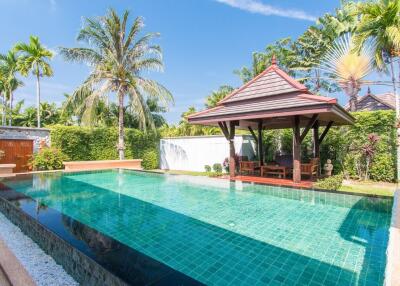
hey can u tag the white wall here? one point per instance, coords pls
(193, 153)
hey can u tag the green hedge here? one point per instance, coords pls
(342, 145)
(81, 143)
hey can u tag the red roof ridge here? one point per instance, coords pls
(204, 111)
(270, 68)
(274, 67)
(319, 98)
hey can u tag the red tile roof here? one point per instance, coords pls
(272, 93)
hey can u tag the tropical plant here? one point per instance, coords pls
(34, 57)
(48, 159)
(9, 69)
(380, 22)
(217, 95)
(118, 59)
(281, 50)
(348, 67)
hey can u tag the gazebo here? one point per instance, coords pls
(274, 100)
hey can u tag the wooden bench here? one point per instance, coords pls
(282, 171)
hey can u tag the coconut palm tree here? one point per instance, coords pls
(9, 69)
(34, 57)
(3, 96)
(348, 67)
(119, 57)
(380, 21)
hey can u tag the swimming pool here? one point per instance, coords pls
(221, 233)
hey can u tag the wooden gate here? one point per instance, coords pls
(17, 152)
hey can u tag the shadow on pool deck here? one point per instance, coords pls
(207, 253)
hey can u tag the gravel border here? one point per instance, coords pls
(40, 266)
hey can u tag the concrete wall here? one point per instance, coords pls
(26, 133)
(194, 152)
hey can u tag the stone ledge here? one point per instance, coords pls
(102, 165)
(14, 271)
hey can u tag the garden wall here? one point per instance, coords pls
(192, 153)
(37, 135)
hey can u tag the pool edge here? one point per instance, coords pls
(89, 271)
(392, 274)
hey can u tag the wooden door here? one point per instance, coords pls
(17, 152)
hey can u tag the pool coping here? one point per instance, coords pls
(392, 274)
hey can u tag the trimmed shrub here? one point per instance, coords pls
(217, 168)
(150, 160)
(48, 158)
(330, 183)
(207, 168)
(82, 143)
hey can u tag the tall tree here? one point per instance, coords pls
(217, 95)
(380, 21)
(281, 49)
(34, 57)
(8, 65)
(119, 57)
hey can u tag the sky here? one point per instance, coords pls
(203, 41)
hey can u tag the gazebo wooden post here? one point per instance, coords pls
(316, 140)
(232, 165)
(296, 150)
(230, 136)
(260, 145)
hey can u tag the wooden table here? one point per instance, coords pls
(274, 170)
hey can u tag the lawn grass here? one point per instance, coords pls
(372, 188)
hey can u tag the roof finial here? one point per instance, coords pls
(273, 60)
(369, 90)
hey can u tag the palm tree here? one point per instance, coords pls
(380, 22)
(119, 58)
(348, 67)
(8, 66)
(217, 95)
(3, 96)
(34, 57)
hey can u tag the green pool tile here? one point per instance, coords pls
(221, 234)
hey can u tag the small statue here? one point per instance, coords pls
(328, 167)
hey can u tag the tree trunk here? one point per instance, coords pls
(38, 98)
(3, 113)
(353, 102)
(10, 112)
(397, 118)
(121, 143)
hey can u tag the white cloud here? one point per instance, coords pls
(255, 6)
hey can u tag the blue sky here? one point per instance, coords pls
(203, 40)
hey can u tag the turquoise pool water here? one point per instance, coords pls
(222, 233)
